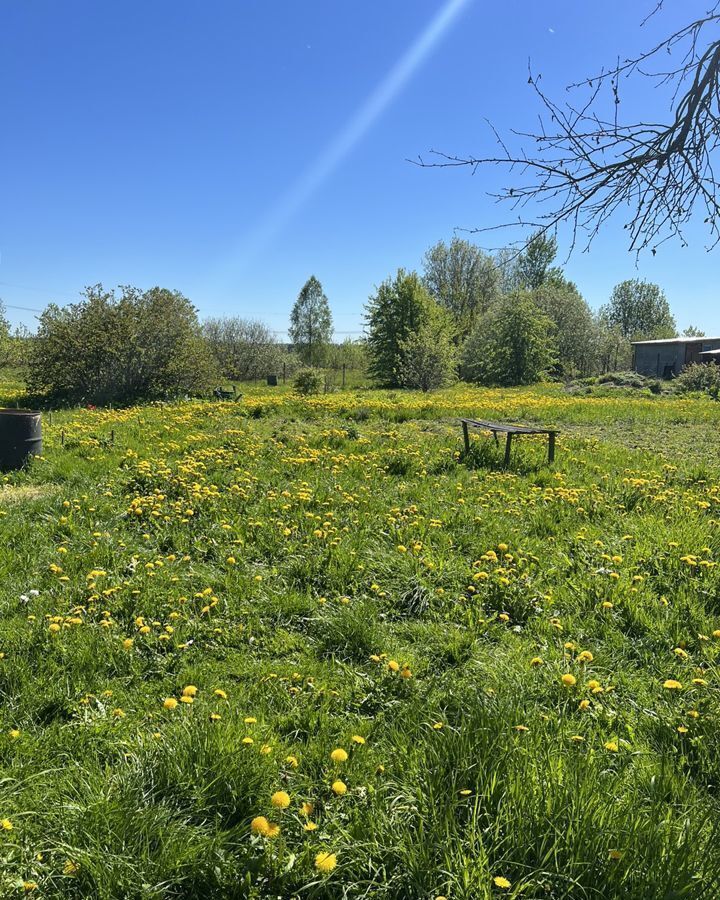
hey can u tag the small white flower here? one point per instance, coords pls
(34, 592)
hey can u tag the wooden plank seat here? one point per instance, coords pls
(508, 430)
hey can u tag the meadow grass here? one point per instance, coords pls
(521, 666)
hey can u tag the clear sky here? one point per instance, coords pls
(232, 148)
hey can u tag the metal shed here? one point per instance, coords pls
(667, 358)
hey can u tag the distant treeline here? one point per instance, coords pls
(502, 319)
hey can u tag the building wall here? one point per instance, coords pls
(652, 359)
(657, 360)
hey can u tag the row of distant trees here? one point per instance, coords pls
(511, 318)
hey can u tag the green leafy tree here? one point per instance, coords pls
(463, 279)
(244, 348)
(428, 355)
(6, 354)
(640, 310)
(393, 313)
(534, 265)
(613, 351)
(311, 324)
(351, 354)
(514, 343)
(142, 345)
(692, 331)
(17, 346)
(575, 331)
(529, 268)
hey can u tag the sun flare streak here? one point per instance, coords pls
(354, 131)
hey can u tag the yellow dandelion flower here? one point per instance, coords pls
(339, 788)
(672, 685)
(170, 703)
(259, 825)
(569, 680)
(339, 755)
(280, 799)
(325, 862)
(190, 691)
(358, 739)
(501, 882)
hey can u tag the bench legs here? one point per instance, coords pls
(466, 437)
(508, 443)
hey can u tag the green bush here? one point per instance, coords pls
(308, 381)
(698, 377)
(142, 345)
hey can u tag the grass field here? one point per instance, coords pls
(303, 648)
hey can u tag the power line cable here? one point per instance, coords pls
(23, 308)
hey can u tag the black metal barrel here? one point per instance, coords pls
(20, 437)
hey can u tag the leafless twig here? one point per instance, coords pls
(582, 166)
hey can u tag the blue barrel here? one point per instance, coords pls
(20, 437)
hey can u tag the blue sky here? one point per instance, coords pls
(232, 148)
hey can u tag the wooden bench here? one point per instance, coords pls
(509, 430)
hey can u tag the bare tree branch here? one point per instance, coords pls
(581, 167)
